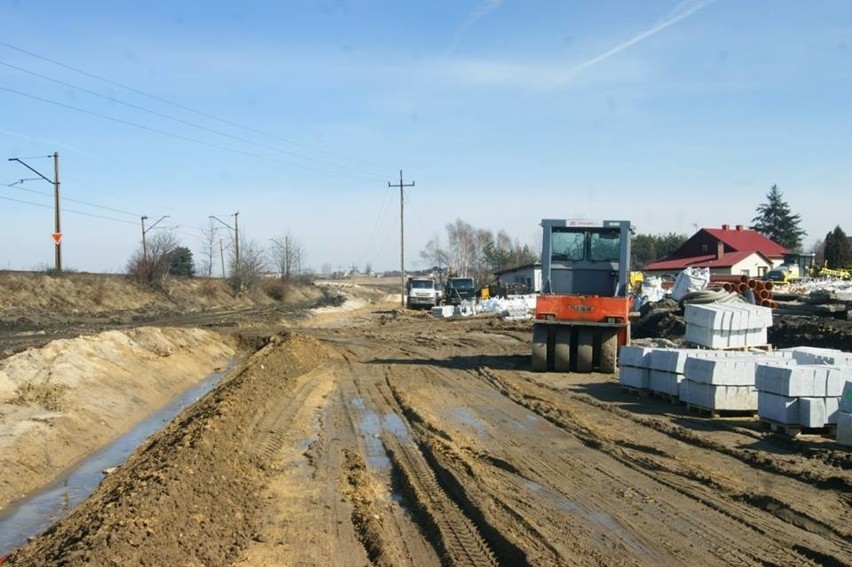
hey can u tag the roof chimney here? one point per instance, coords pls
(726, 226)
(739, 227)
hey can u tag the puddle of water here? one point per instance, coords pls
(393, 424)
(372, 427)
(37, 513)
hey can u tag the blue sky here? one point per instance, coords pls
(673, 115)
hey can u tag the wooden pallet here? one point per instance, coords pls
(720, 413)
(638, 392)
(671, 398)
(794, 429)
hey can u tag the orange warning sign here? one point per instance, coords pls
(57, 237)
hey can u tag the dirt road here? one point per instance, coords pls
(387, 438)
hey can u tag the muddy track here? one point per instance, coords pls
(405, 440)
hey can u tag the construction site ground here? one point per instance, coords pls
(363, 434)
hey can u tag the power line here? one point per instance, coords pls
(64, 210)
(182, 121)
(14, 186)
(177, 105)
(157, 131)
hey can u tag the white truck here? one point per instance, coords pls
(423, 293)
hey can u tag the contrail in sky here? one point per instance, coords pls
(480, 12)
(680, 12)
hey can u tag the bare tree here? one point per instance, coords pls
(246, 274)
(287, 255)
(434, 254)
(153, 267)
(210, 245)
(462, 246)
(477, 252)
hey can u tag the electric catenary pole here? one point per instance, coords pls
(401, 185)
(236, 229)
(57, 227)
(145, 245)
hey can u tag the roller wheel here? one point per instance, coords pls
(585, 349)
(562, 350)
(609, 351)
(539, 348)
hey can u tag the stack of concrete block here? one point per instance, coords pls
(718, 325)
(816, 355)
(634, 367)
(725, 383)
(660, 370)
(844, 416)
(807, 395)
(667, 368)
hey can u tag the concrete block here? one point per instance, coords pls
(666, 382)
(732, 371)
(638, 357)
(836, 379)
(720, 398)
(760, 317)
(781, 409)
(816, 355)
(812, 412)
(709, 316)
(668, 359)
(738, 338)
(442, 311)
(634, 377)
(795, 381)
(705, 336)
(846, 398)
(832, 408)
(844, 429)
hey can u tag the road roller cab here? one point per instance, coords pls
(582, 314)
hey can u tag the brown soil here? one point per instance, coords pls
(375, 436)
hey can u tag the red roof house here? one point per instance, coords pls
(725, 251)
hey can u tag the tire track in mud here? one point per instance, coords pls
(553, 473)
(452, 534)
(384, 526)
(548, 482)
(748, 510)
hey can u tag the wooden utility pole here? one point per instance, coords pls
(401, 235)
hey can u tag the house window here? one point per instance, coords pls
(704, 248)
(745, 273)
(761, 271)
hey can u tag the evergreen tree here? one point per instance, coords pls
(647, 248)
(836, 249)
(775, 221)
(181, 263)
